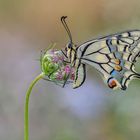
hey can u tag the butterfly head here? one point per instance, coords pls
(70, 46)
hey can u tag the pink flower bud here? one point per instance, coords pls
(72, 74)
(67, 69)
(59, 76)
(55, 59)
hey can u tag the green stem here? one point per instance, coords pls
(26, 112)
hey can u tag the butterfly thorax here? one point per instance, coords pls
(71, 54)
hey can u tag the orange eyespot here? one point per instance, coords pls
(117, 61)
(112, 83)
(118, 68)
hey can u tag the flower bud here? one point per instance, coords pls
(54, 66)
(51, 61)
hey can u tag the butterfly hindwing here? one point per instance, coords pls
(113, 56)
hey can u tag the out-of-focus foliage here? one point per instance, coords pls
(91, 112)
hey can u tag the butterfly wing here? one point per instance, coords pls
(80, 74)
(113, 56)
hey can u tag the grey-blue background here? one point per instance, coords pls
(91, 112)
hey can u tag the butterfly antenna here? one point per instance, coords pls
(63, 20)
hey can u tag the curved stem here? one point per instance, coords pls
(26, 107)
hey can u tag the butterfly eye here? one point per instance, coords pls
(69, 45)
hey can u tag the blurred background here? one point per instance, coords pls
(92, 112)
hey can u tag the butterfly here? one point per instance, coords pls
(114, 56)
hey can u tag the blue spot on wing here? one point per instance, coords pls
(118, 55)
(122, 63)
(117, 75)
(113, 48)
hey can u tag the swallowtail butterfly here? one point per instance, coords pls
(114, 56)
